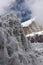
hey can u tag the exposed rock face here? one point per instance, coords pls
(14, 46)
(32, 27)
(35, 27)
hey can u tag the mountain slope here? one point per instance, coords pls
(34, 27)
(31, 26)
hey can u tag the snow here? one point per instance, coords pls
(15, 49)
(34, 33)
(27, 23)
(37, 46)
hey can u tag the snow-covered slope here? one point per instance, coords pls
(34, 33)
(27, 23)
(15, 49)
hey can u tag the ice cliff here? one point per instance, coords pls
(15, 49)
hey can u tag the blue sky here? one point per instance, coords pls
(20, 10)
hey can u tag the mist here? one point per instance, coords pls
(4, 4)
(36, 7)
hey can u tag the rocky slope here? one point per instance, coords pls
(15, 49)
(34, 27)
(31, 25)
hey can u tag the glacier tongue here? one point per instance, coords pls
(15, 49)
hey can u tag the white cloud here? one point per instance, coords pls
(36, 6)
(4, 4)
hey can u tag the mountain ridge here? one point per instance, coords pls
(31, 26)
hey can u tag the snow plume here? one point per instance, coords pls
(4, 4)
(36, 6)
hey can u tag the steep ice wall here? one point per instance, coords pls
(15, 49)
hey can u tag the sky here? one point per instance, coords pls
(4, 4)
(36, 7)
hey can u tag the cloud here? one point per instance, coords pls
(4, 4)
(36, 6)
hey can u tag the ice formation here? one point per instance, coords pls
(15, 49)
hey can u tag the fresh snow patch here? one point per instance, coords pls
(27, 23)
(34, 33)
